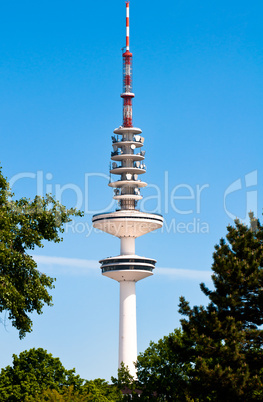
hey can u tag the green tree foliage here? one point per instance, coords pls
(126, 384)
(33, 372)
(37, 376)
(226, 337)
(99, 390)
(163, 376)
(67, 394)
(219, 354)
(92, 391)
(24, 224)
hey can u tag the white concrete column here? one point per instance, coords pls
(128, 326)
(127, 245)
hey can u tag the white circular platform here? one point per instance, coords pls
(124, 130)
(127, 183)
(127, 223)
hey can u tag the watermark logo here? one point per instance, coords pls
(250, 194)
(181, 204)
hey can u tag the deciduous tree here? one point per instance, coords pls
(37, 376)
(92, 391)
(162, 375)
(127, 385)
(24, 225)
(33, 372)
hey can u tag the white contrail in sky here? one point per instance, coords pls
(77, 266)
(67, 266)
(186, 274)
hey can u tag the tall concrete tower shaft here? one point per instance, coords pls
(127, 222)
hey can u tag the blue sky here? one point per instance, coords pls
(198, 86)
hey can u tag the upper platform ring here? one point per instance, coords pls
(124, 130)
(127, 95)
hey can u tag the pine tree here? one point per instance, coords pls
(226, 338)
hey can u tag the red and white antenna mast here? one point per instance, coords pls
(127, 25)
(127, 94)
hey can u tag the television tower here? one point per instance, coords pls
(127, 222)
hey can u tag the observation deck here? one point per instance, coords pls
(127, 223)
(127, 267)
(136, 197)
